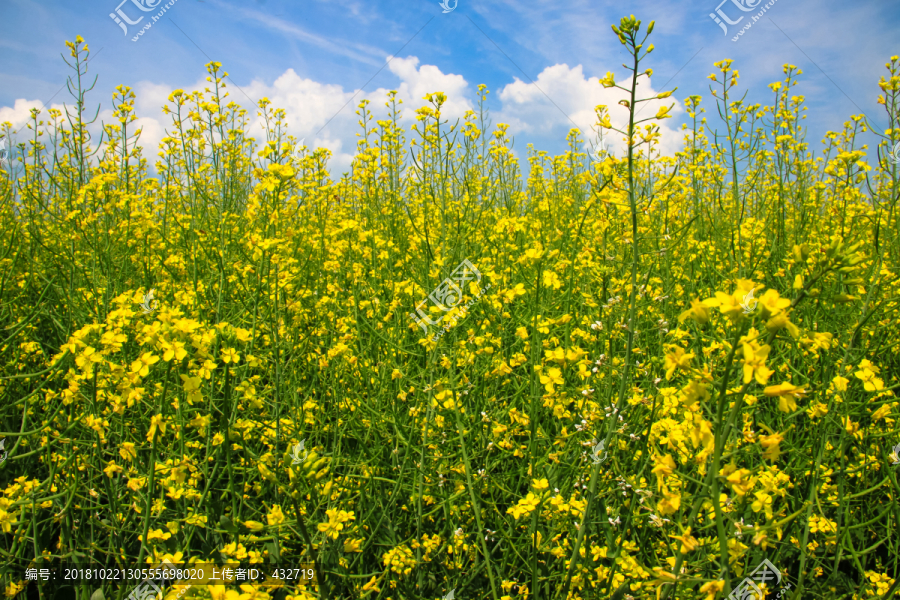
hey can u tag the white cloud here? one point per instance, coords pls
(20, 113)
(571, 103)
(324, 115)
(416, 83)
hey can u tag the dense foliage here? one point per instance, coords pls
(682, 366)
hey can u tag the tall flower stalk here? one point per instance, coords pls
(627, 31)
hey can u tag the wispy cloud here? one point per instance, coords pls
(341, 47)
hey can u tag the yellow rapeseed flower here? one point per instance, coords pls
(553, 377)
(142, 365)
(787, 395)
(698, 312)
(254, 525)
(755, 363)
(677, 358)
(688, 542)
(127, 451)
(524, 507)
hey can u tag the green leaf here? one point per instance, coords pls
(226, 524)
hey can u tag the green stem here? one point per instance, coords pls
(148, 503)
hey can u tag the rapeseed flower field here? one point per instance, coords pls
(632, 376)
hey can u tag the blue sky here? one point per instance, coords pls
(540, 60)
